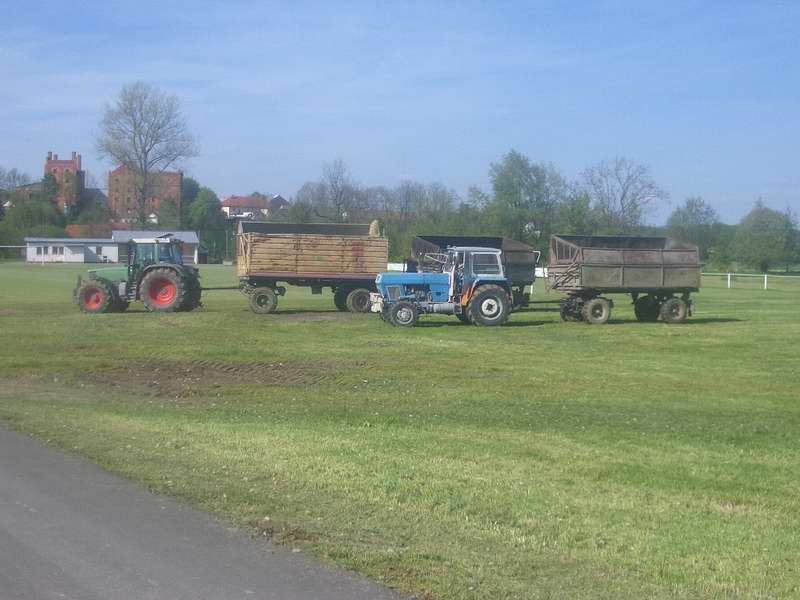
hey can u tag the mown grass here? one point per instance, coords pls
(538, 460)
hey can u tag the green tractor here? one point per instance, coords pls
(155, 274)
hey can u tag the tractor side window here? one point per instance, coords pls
(145, 255)
(485, 264)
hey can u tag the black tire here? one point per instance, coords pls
(94, 297)
(674, 311)
(192, 298)
(358, 300)
(403, 314)
(647, 309)
(340, 299)
(489, 306)
(162, 290)
(463, 317)
(596, 311)
(263, 300)
(567, 315)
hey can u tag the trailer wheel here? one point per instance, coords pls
(596, 311)
(489, 306)
(568, 314)
(358, 300)
(463, 317)
(263, 300)
(674, 310)
(94, 297)
(403, 314)
(340, 299)
(646, 309)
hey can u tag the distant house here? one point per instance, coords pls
(191, 243)
(71, 250)
(253, 208)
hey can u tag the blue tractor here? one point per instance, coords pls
(470, 283)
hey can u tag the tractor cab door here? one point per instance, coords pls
(141, 257)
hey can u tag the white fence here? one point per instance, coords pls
(766, 280)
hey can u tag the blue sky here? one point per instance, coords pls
(706, 93)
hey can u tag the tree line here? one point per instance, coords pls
(144, 129)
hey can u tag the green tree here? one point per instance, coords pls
(168, 214)
(189, 190)
(207, 219)
(576, 216)
(524, 197)
(695, 222)
(761, 238)
(35, 217)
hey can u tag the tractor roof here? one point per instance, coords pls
(475, 249)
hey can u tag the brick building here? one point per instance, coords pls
(122, 193)
(69, 176)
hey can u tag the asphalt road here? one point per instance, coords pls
(71, 531)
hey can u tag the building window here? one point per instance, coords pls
(61, 250)
(98, 250)
(38, 250)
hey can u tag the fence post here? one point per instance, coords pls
(765, 281)
(729, 281)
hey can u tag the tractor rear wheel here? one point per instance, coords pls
(403, 314)
(340, 299)
(191, 299)
(358, 300)
(646, 309)
(596, 311)
(674, 310)
(489, 306)
(162, 290)
(263, 300)
(94, 297)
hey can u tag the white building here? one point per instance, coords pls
(73, 250)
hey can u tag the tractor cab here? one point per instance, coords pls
(145, 252)
(468, 282)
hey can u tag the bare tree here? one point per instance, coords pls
(144, 130)
(11, 179)
(621, 191)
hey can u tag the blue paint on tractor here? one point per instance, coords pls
(470, 284)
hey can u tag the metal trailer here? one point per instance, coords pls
(344, 257)
(519, 260)
(659, 273)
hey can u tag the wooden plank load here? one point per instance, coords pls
(311, 255)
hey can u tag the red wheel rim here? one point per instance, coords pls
(162, 292)
(92, 298)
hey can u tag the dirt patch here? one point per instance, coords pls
(179, 379)
(8, 311)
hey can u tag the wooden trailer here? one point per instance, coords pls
(343, 257)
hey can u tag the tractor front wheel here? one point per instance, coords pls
(263, 301)
(403, 314)
(489, 306)
(162, 290)
(94, 297)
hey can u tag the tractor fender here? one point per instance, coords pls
(468, 294)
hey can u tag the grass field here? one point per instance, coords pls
(538, 460)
